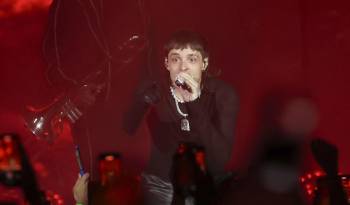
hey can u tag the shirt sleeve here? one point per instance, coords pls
(216, 133)
(147, 93)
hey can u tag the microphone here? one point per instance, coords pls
(181, 83)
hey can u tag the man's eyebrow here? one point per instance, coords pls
(193, 55)
(174, 54)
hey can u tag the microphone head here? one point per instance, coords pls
(180, 82)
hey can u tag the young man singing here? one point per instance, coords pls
(191, 106)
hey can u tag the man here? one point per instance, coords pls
(190, 106)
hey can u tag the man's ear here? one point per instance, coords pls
(205, 63)
(166, 63)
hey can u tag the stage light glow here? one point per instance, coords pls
(15, 7)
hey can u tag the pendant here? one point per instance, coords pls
(185, 125)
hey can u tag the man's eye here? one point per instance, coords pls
(193, 59)
(174, 60)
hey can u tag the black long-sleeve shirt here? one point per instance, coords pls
(211, 118)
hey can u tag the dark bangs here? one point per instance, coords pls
(187, 39)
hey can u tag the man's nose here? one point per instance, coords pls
(184, 66)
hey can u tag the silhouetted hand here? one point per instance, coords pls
(326, 156)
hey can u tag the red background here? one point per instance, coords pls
(260, 46)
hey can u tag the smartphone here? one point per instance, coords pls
(10, 160)
(80, 163)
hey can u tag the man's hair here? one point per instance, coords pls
(187, 39)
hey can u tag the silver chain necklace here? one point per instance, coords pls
(185, 124)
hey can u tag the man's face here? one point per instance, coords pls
(185, 60)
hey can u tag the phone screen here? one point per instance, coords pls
(10, 160)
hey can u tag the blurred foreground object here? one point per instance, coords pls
(16, 170)
(330, 189)
(315, 186)
(192, 182)
(10, 162)
(115, 185)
